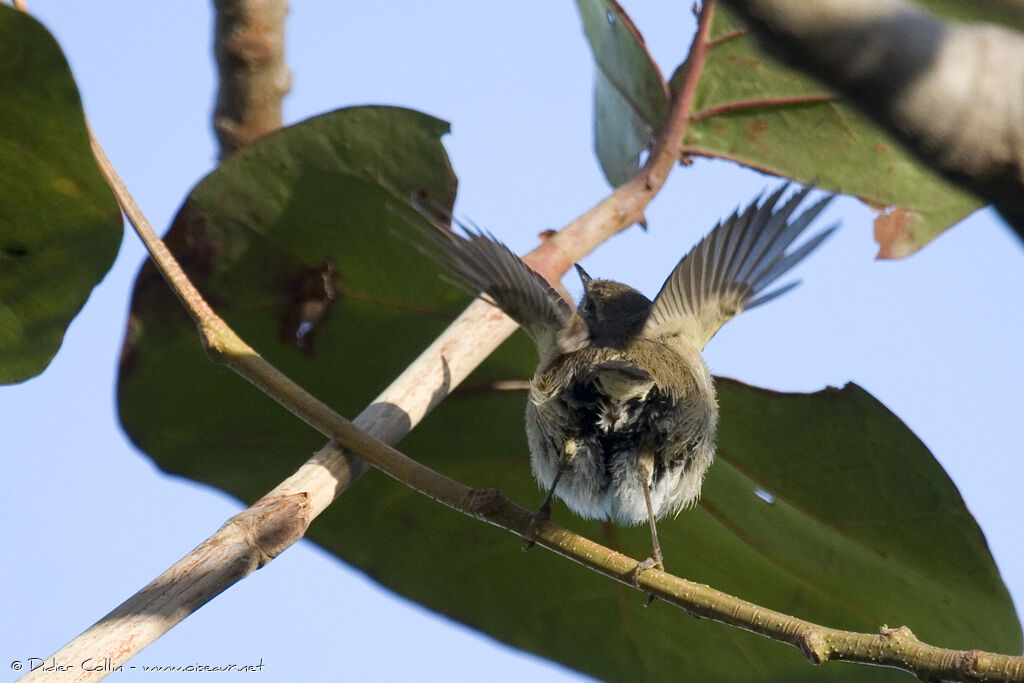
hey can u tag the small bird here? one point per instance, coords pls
(622, 411)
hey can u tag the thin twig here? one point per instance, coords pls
(256, 535)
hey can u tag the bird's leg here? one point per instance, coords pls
(544, 511)
(655, 561)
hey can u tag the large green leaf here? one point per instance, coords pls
(763, 124)
(317, 202)
(630, 94)
(863, 529)
(749, 109)
(851, 537)
(60, 226)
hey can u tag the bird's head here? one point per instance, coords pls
(613, 313)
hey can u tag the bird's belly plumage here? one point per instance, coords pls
(607, 428)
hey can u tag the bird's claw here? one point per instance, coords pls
(653, 562)
(542, 515)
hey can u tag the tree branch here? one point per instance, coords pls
(952, 93)
(249, 47)
(253, 537)
(256, 535)
(285, 513)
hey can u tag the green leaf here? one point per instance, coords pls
(325, 201)
(60, 226)
(864, 529)
(749, 109)
(842, 468)
(630, 95)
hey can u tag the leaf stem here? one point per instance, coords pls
(759, 103)
(726, 37)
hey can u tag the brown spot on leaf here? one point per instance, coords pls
(754, 134)
(880, 148)
(310, 293)
(894, 232)
(739, 61)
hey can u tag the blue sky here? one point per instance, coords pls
(88, 520)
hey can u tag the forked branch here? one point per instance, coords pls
(253, 537)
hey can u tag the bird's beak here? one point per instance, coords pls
(584, 277)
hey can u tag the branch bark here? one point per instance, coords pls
(249, 48)
(952, 93)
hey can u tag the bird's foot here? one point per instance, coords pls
(653, 562)
(543, 514)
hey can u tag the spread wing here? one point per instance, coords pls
(729, 270)
(483, 264)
